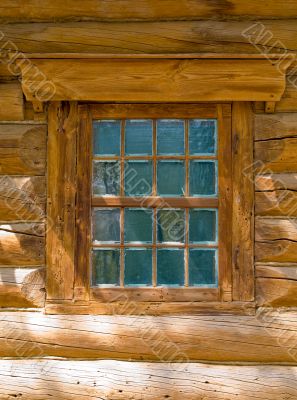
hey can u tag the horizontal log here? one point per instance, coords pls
(276, 155)
(276, 203)
(276, 285)
(11, 102)
(53, 10)
(120, 380)
(22, 149)
(271, 182)
(288, 103)
(152, 37)
(275, 126)
(22, 198)
(22, 244)
(22, 287)
(276, 229)
(276, 251)
(219, 338)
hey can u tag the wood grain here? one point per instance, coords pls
(60, 246)
(243, 202)
(276, 203)
(22, 244)
(22, 149)
(220, 338)
(117, 380)
(22, 287)
(155, 80)
(275, 126)
(107, 10)
(22, 198)
(11, 102)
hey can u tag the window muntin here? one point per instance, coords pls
(164, 159)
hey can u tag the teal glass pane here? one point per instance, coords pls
(138, 225)
(138, 178)
(170, 267)
(138, 137)
(202, 267)
(106, 267)
(203, 178)
(202, 225)
(106, 178)
(202, 136)
(138, 267)
(107, 138)
(106, 225)
(170, 178)
(170, 136)
(171, 226)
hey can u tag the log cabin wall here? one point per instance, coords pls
(211, 341)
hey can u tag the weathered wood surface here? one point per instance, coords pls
(276, 285)
(243, 202)
(61, 199)
(271, 182)
(119, 380)
(22, 198)
(22, 149)
(22, 287)
(272, 126)
(53, 10)
(270, 336)
(11, 102)
(154, 80)
(152, 37)
(22, 244)
(276, 203)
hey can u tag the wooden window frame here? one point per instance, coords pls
(68, 280)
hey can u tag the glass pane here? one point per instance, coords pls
(202, 178)
(138, 225)
(170, 267)
(202, 226)
(202, 267)
(138, 178)
(138, 137)
(106, 267)
(170, 136)
(106, 178)
(106, 225)
(171, 225)
(170, 178)
(138, 267)
(202, 136)
(107, 138)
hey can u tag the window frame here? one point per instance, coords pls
(68, 210)
(85, 202)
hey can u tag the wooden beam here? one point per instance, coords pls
(152, 79)
(22, 198)
(22, 244)
(22, 149)
(22, 287)
(33, 379)
(106, 10)
(11, 102)
(220, 338)
(243, 202)
(61, 206)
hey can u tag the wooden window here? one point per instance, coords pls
(155, 217)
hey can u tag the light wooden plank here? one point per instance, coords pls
(11, 102)
(22, 198)
(107, 10)
(276, 203)
(281, 250)
(275, 126)
(117, 380)
(243, 202)
(22, 244)
(220, 338)
(22, 149)
(270, 182)
(155, 80)
(60, 246)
